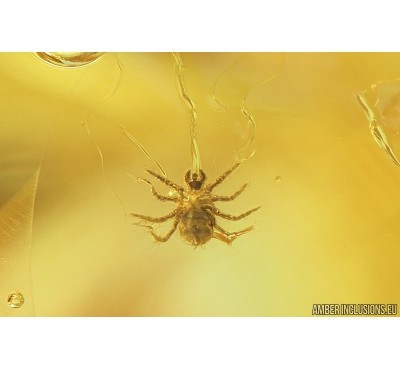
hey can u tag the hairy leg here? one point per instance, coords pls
(162, 198)
(156, 219)
(159, 238)
(228, 237)
(222, 177)
(217, 212)
(222, 198)
(163, 239)
(167, 182)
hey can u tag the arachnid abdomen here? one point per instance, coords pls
(196, 226)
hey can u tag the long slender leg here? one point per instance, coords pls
(217, 212)
(222, 198)
(228, 237)
(167, 182)
(163, 239)
(156, 219)
(222, 177)
(162, 198)
(159, 238)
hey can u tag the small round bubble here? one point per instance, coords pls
(15, 300)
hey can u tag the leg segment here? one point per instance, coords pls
(222, 177)
(163, 239)
(217, 212)
(156, 219)
(167, 182)
(159, 238)
(216, 198)
(227, 237)
(160, 197)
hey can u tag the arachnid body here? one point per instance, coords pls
(195, 213)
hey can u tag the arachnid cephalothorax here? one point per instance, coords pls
(195, 213)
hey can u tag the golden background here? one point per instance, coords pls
(327, 231)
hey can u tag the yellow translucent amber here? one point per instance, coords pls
(327, 231)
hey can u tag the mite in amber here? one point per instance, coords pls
(196, 213)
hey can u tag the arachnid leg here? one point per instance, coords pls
(159, 238)
(222, 177)
(223, 198)
(217, 212)
(228, 237)
(156, 219)
(162, 198)
(163, 239)
(167, 182)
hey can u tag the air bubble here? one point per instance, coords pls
(15, 300)
(278, 179)
(69, 60)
